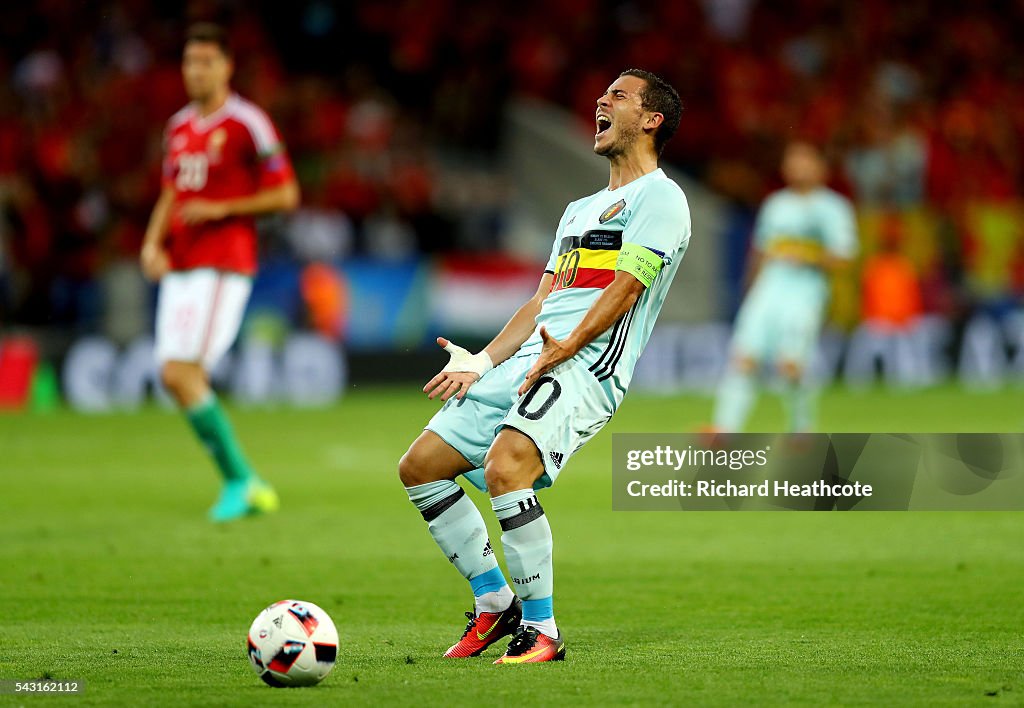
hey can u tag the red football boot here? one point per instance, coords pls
(530, 646)
(485, 629)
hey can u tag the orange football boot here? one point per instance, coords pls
(485, 629)
(530, 646)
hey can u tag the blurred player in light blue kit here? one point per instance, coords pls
(803, 233)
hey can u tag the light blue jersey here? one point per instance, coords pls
(650, 212)
(637, 227)
(781, 316)
(792, 225)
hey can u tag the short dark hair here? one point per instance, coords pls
(659, 96)
(209, 32)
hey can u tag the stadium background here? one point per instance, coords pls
(436, 144)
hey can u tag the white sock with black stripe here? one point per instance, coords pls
(526, 538)
(459, 530)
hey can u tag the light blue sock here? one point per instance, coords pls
(734, 400)
(457, 527)
(526, 538)
(800, 399)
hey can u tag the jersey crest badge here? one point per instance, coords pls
(612, 211)
(215, 144)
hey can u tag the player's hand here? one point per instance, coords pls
(553, 353)
(154, 261)
(198, 211)
(462, 371)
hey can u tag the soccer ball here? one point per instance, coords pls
(292, 643)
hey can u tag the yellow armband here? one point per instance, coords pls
(640, 262)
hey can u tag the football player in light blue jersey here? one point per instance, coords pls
(516, 412)
(803, 233)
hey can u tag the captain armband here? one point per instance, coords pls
(640, 262)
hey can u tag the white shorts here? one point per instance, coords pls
(198, 314)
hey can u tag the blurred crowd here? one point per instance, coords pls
(392, 114)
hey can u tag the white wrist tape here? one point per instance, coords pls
(461, 360)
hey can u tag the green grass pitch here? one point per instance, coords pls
(110, 573)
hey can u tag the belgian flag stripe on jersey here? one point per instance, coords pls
(590, 278)
(582, 267)
(795, 247)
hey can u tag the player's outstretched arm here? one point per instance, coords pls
(613, 303)
(282, 197)
(464, 369)
(153, 258)
(521, 326)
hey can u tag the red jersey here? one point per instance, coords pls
(233, 152)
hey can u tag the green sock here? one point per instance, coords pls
(212, 427)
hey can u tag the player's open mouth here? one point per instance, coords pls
(603, 124)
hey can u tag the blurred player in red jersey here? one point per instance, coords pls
(223, 166)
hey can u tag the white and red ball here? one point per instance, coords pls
(292, 643)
